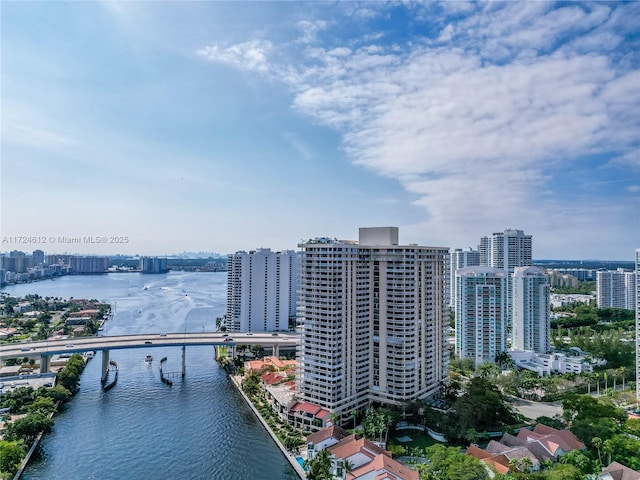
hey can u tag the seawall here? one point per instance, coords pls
(292, 460)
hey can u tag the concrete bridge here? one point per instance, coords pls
(150, 340)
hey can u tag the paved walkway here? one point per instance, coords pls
(533, 410)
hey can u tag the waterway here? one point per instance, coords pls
(199, 428)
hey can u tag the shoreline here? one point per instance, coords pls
(288, 455)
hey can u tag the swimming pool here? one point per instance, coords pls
(300, 460)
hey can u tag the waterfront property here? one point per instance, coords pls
(373, 321)
(356, 456)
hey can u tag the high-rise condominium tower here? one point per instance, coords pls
(481, 313)
(506, 250)
(531, 310)
(373, 321)
(460, 259)
(261, 290)
(616, 289)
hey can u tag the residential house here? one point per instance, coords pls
(365, 459)
(617, 471)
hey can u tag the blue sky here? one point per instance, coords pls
(221, 126)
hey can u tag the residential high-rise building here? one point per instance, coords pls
(373, 322)
(506, 250)
(460, 259)
(616, 289)
(531, 310)
(88, 264)
(637, 272)
(38, 257)
(481, 313)
(153, 265)
(261, 291)
(20, 259)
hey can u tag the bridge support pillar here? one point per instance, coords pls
(105, 365)
(184, 360)
(276, 350)
(44, 363)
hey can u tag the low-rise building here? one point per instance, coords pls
(617, 471)
(366, 460)
(546, 364)
(530, 448)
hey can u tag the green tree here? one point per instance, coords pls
(624, 449)
(11, 454)
(42, 404)
(481, 406)
(57, 393)
(448, 463)
(578, 459)
(28, 427)
(320, 466)
(565, 472)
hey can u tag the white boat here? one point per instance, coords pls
(148, 358)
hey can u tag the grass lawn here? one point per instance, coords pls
(418, 439)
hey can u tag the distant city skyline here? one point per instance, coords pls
(227, 126)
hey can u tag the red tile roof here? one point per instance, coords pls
(271, 377)
(499, 462)
(309, 408)
(386, 468)
(351, 445)
(620, 472)
(569, 439)
(330, 432)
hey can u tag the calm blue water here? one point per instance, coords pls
(199, 428)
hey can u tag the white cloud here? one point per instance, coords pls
(251, 55)
(310, 29)
(473, 128)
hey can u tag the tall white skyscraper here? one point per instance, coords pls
(481, 313)
(373, 321)
(261, 290)
(460, 259)
(531, 310)
(616, 289)
(506, 250)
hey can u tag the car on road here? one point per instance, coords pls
(69, 345)
(25, 349)
(228, 339)
(163, 334)
(148, 342)
(274, 334)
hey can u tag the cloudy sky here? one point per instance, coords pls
(221, 126)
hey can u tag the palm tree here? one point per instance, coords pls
(597, 444)
(347, 467)
(354, 414)
(320, 466)
(502, 358)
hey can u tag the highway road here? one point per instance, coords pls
(150, 340)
